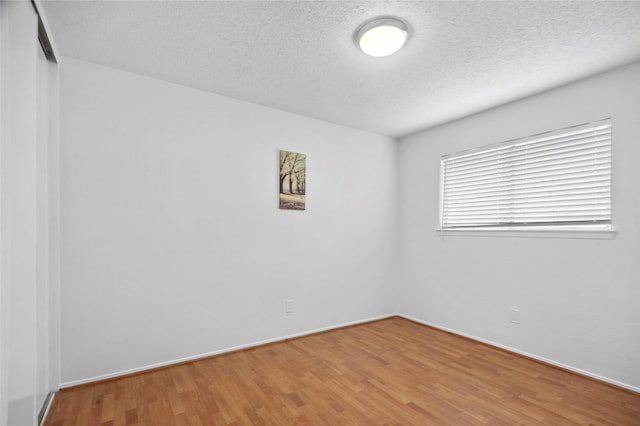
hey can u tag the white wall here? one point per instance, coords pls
(172, 241)
(28, 155)
(579, 298)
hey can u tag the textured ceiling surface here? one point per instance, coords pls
(299, 56)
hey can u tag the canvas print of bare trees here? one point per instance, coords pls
(293, 168)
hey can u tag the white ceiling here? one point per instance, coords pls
(299, 56)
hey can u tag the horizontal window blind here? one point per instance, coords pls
(554, 179)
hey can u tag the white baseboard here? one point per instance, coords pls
(526, 354)
(218, 352)
(334, 327)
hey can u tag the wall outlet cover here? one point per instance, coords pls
(288, 306)
(514, 316)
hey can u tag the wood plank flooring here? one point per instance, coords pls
(388, 372)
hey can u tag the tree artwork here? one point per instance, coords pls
(293, 183)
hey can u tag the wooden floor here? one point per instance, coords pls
(387, 372)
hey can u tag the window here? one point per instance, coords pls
(555, 180)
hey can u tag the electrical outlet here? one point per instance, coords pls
(288, 306)
(514, 316)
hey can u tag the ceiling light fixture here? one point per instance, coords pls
(382, 36)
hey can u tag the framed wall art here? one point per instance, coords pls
(293, 182)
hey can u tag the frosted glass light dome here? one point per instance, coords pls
(382, 36)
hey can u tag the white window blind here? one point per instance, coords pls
(560, 178)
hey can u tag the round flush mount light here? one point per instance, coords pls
(382, 36)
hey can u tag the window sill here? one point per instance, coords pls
(593, 234)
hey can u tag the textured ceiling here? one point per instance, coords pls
(299, 56)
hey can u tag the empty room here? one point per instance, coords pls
(319, 212)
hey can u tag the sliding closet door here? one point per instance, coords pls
(27, 343)
(18, 192)
(47, 229)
